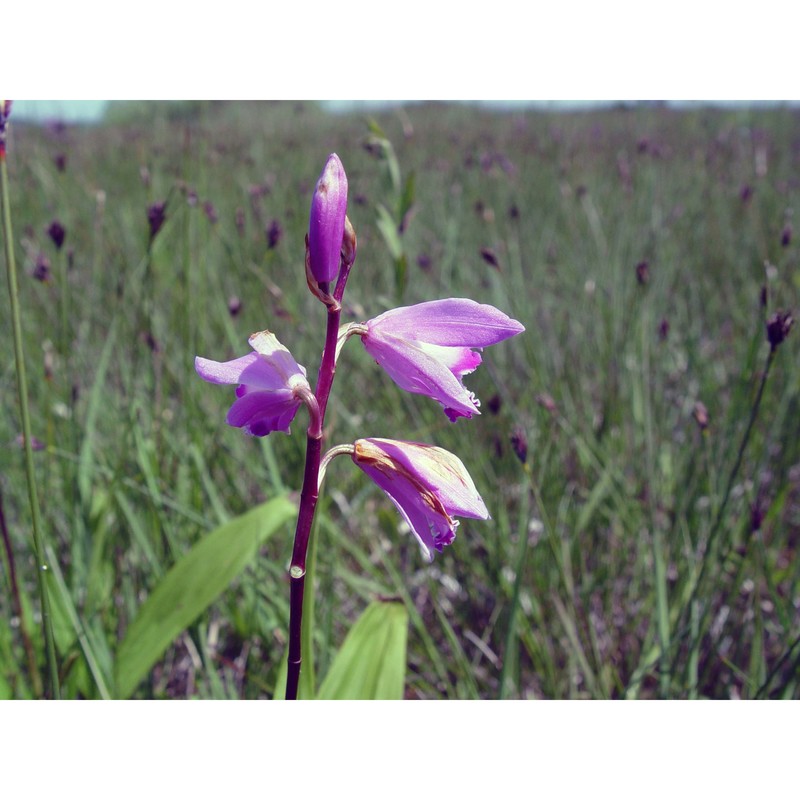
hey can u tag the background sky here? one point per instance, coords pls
(92, 110)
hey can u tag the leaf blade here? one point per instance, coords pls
(192, 585)
(371, 663)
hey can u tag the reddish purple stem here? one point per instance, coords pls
(310, 491)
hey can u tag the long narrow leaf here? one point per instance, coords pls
(192, 585)
(372, 662)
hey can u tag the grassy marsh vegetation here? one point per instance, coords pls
(648, 545)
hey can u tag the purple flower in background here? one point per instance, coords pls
(57, 233)
(272, 385)
(426, 348)
(156, 216)
(428, 485)
(326, 221)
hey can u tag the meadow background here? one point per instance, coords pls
(639, 447)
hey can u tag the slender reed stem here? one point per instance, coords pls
(22, 388)
(30, 653)
(715, 528)
(691, 602)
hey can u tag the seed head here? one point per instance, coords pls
(42, 269)
(274, 234)
(778, 327)
(5, 110)
(156, 216)
(490, 257)
(57, 233)
(210, 212)
(519, 443)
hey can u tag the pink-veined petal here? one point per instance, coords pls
(442, 471)
(459, 360)
(432, 530)
(251, 370)
(271, 367)
(261, 413)
(427, 485)
(452, 322)
(416, 371)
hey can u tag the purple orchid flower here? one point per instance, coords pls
(428, 485)
(326, 221)
(426, 348)
(272, 385)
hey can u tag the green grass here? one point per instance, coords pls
(583, 583)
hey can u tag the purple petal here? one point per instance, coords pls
(415, 370)
(251, 369)
(261, 413)
(432, 528)
(326, 221)
(459, 360)
(278, 357)
(451, 322)
(271, 367)
(439, 470)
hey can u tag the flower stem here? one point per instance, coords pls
(308, 499)
(22, 388)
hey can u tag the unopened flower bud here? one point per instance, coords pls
(327, 221)
(349, 242)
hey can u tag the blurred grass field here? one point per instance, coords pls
(646, 547)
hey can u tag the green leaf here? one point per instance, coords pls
(372, 662)
(406, 198)
(388, 228)
(68, 625)
(192, 585)
(97, 396)
(375, 128)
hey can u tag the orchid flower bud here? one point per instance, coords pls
(327, 221)
(349, 243)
